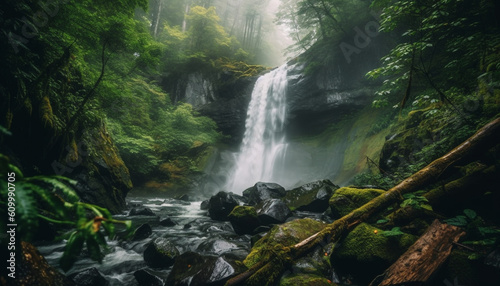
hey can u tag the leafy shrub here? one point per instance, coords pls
(51, 198)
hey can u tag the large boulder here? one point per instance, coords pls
(365, 252)
(346, 199)
(272, 211)
(191, 268)
(220, 205)
(160, 253)
(263, 191)
(283, 235)
(89, 277)
(244, 219)
(311, 197)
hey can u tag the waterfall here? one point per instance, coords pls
(263, 148)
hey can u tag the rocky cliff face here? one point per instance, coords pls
(221, 96)
(103, 178)
(323, 89)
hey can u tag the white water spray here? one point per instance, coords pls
(263, 148)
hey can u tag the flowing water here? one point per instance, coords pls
(204, 236)
(195, 231)
(264, 146)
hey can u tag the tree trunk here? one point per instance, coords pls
(423, 258)
(265, 272)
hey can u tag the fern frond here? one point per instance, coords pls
(66, 192)
(54, 204)
(26, 211)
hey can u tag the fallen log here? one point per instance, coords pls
(423, 258)
(266, 272)
(461, 188)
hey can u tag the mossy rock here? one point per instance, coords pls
(33, 269)
(365, 252)
(346, 199)
(459, 267)
(283, 235)
(160, 253)
(310, 197)
(305, 280)
(316, 262)
(244, 219)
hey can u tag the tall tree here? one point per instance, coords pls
(438, 39)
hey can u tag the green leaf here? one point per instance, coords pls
(380, 221)
(110, 229)
(470, 213)
(485, 230)
(72, 250)
(19, 174)
(26, 211)
(395, 231)
(5, 131)
(94, 249)
(457, 221)
(484, 242)
(426, 207)
(66, 192)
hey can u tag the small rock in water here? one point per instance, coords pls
(160, 253)
(204, 205)
(141, 211)
(167, 222)
(89, 277)
(142, 232)
(147, 279)
(184, 197)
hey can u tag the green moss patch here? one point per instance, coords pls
(365, 252)
(305, 280)
(283, 235)
(346, 199)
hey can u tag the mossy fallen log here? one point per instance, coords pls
(267, 272)
(461, 188)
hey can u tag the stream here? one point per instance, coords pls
(195, 231)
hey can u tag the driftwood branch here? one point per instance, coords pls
(485, 138)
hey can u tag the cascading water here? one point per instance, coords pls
(264, 146)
